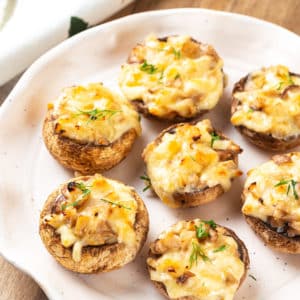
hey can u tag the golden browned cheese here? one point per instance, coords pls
(208, 267)
(187, 160)
(173, 75)
(93, 114)
(272, 194)
(269, 104)
(94, 212)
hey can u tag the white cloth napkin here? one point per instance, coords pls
(28, 28)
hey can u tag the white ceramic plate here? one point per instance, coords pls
(29, 173)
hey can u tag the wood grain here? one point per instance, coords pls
(15, 285)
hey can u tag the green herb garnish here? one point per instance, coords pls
(288, 82)
(161, 76)
(147, 181)
(250, 110)
(279, 86)
(148, 68)
(74, 204)
(221, 248)
(196, 253)
(214, 137)
(176, 53)
(211, 223)
(115, 203)
(291, 185)
(85, 191)
(83, 188)
(96, 113)
(77, 25)
(251, 276)
(201, 232)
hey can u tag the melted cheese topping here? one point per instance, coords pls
(173, 76)
(188, 160)
(93, 114)
(271, 196)
(94, 211)
(213, 275)
(268, 104)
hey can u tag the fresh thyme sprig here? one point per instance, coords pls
(214, 137)
(288, 82)
(221, 248)
(211, 223)
(196, 253)
(115, 203)
(96, 113)
(176, 53)
(148, 68)
(147, 182)
(291, 184)
(85, 191)
(201, 231)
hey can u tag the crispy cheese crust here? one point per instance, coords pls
(190, 164)
(198, 260)
(173, 78)
(93, 224)
(90, 129)
(271, 202)
(265, 108)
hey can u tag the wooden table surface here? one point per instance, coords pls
(15, 285)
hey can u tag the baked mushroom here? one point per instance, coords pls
(173, 78)
(190, 164)
(90, 129)
(194, 260)
(93, 224)
(265, 108)
(271, 202)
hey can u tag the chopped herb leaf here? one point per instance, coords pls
(211, 223)
(250, 110)
(96, 113)
(147, 181)
(201, 232)
(148, 68)
(85, 191)
(251, 276)
(177, 76)
(74, 204)
(221, 248)
(279, 86)
(161, 77)
(115, 203)
(288, 82)
(77, 25)
(196, 253)
(281, 182)
(83, 187)
(291, 185)
(214, 137)
(176, 53)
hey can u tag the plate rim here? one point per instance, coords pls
(39, 63)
